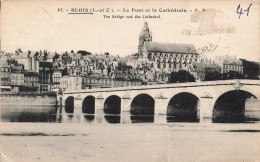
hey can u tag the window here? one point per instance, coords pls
(149, 56)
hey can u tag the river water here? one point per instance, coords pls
(44, 134)
(48, 114)
(52, 115)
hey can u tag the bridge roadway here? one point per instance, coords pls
(165, 99)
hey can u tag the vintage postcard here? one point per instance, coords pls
(130, 81)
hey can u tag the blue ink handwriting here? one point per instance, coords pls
(240, 12)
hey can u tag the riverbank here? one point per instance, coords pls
(9, 99)
(130, 142)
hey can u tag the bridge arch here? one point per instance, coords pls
(112, 105)
(230, 106)
(142, 104)
(88, 105)
(69, 104)
(183, 107)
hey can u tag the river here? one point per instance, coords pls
(53, 114)
(44, 134)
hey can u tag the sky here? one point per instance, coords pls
(38, 25)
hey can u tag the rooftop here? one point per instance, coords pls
(170, 47)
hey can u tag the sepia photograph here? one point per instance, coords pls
(130, 81)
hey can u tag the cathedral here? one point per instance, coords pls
(165, 57)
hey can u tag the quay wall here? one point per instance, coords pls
(27, 99)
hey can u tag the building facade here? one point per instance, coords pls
(45, 76)
(30, 81)
(5, 75)
(57, 74)
(71, 83)
(17, 81)
(163, 58)
(228, 63)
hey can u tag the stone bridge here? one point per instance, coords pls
(182, 101)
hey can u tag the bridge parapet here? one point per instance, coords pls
(171, 85)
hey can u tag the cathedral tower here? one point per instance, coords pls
(144, 36)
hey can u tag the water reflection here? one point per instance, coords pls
(182, 119)
(28, 117)
(112, 118)
(235, 120)
(89, 118)
(28, 114)
(142, 119)
(54, 115)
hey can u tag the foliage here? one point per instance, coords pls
(212, 76)
(181, 76)
(224, 76)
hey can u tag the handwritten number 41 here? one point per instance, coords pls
(240, 12)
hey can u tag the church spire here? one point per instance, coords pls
(145, 36)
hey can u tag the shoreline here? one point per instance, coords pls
(50, 142)
(27, 127)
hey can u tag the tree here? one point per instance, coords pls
(173, 77)
(225, 76)
(234, 75)
(213, 76)
(181, 76)
(84, 53)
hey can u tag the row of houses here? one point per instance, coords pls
(74, 71)
(36, 74)
(16, 76)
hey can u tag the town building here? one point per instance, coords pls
(71, 82)
(32, 64)
(17, 81)
(162, 58)
(228, 63)
(30, 81)
(12, 77)
(17, 76)
(91, 82)
(57, 74)
(45, 76)
(5, 77)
